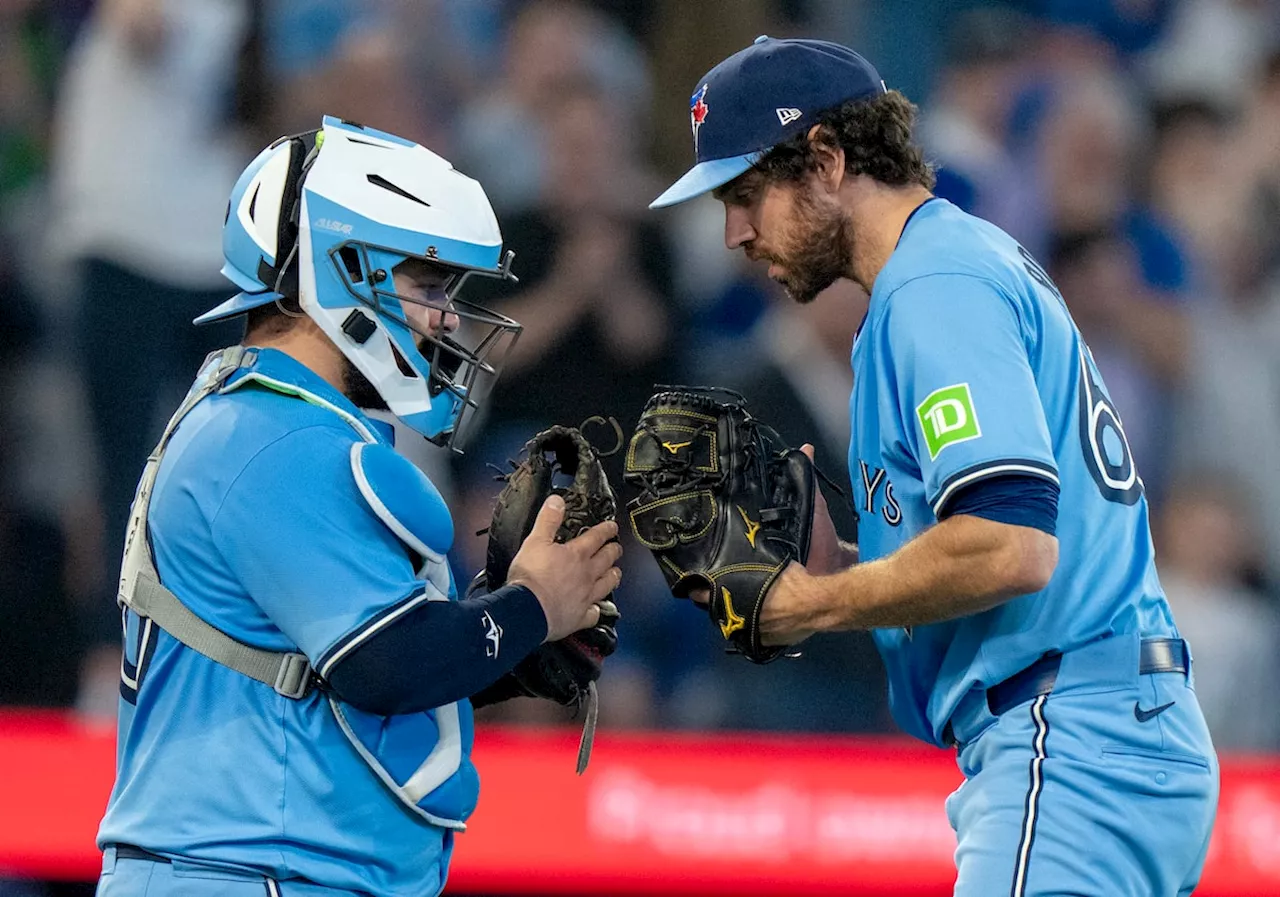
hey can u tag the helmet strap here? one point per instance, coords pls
(303, 149)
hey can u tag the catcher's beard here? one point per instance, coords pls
(817, 250)
(358, 388)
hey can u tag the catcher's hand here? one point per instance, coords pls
(569, 578)
(723, 505)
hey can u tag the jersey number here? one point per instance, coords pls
(1101, 432)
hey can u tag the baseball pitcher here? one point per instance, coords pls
(1004, 561)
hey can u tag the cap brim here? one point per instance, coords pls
(706, 176)
(236, 305)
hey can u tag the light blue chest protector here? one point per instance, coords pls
(423, 758)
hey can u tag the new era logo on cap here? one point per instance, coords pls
(763, 96)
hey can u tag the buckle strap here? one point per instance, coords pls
(230, 360)
(294, 679)
(289, 673)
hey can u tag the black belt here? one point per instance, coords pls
(129, 852)
(1156, 655)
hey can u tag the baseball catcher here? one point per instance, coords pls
(563, 671)
(721, 502)
(285, 580)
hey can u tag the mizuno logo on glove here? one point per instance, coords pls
(732, 620)
(752, 527)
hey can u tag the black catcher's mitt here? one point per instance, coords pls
(588, 499)
(564, 671)
(721, 502)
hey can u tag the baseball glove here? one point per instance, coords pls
(721, 502)
(563, 671)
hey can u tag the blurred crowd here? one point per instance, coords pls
(1132, 145)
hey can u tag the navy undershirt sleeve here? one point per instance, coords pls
(1016, 499)
(441, 651)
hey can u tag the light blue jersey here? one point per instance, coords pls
(968, 366)
(264, 523)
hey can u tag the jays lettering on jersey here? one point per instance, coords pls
(282, 516)
(968, 366)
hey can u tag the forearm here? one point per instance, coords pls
(962, 566)
(441, 651)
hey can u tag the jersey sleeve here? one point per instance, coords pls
(966, 395)
(308, 549)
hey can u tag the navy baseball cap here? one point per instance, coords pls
(760, 97)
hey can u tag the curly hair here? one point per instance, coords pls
(875, 135)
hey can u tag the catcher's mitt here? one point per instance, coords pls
(588, 499)
(563, 671)
(722, 504)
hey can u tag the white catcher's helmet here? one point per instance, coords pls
(328, 215)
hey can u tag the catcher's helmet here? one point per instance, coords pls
(326, 216)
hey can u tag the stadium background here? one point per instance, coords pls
(1132, 145)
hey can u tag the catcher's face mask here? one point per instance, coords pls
(415, 337)
(342, 214)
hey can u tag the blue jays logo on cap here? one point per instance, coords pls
(765, 95)
(698, 110)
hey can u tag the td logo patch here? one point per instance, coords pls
(947, 417)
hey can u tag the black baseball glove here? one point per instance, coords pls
(563, 671)
(721, 502)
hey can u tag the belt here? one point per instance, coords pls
(1156, 655)
(129, 852)
(133, 852)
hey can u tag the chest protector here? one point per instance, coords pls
(423, 758)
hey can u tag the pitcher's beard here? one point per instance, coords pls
(822, 255)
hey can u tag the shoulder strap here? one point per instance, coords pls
(289, 673)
